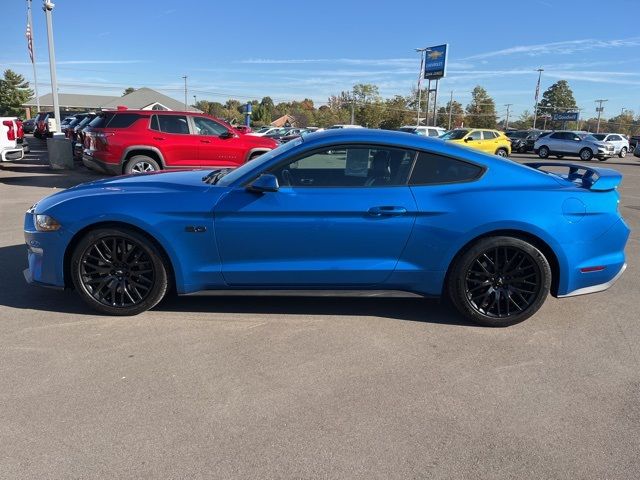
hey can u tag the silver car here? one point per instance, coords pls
(575, 144)
(620, 142)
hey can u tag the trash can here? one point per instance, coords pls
(60, 152)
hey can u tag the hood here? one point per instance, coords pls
(188, 182)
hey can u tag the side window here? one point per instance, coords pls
(154, 123)
(348, 167)
(489, 135)
(173, 124)
(557, 136)
(476, 135)
(205, 126)
(123, 120)
(433, 132)
(432, 169)
(614, 138)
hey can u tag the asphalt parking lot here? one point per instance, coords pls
(263, 387)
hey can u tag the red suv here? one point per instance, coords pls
(136, 141)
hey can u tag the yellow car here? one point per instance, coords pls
(489, 141)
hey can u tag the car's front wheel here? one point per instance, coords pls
(543, 152)
(586, 154)
(141, 164)
(118, 271)
(499, 281)
(502, 152)
(623, 152)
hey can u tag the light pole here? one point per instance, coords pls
(535, 109)
(422, 52)
(185, 92)
(599, 109)
(195, 100)
(48, 7)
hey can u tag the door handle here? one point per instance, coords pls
(385, 211)
(306, 181)
(158, 138)
(205, 141)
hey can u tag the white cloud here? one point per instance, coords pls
(566, 47)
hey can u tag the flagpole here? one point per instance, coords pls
(33, 54)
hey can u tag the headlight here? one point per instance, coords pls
(45, 223)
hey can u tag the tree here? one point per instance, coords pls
(128, 90)
(524, 121)
(457, 115)
(369, 109)
(557, 98)
(396, 113)
(481, 111)
(14, 91)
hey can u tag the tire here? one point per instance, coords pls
(502, 152)
(255, 155)
(623, 152)
(141, 164)
(481, 285)
(543, 152)
(586, 154)
(112, 281)
(559, 156)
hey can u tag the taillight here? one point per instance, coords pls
(20, 129)
(11, 133)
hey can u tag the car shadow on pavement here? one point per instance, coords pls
(413, 309)
(16, 293)
(45, 177)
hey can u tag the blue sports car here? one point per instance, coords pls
(356, 210)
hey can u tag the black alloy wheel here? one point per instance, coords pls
(499, 281)
(118, 272)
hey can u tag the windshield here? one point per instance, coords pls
(599, 136)
(590, 138)
(407, 129)
(261, 160)
(457, 134)
(516, 134)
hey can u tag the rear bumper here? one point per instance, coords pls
(11, 154)
(596, 288)
(93, 163)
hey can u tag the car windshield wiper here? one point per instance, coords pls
(213, 177)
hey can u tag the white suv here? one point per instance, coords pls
(9, 148)
(424, 131)
(575, 144)
(620, 142)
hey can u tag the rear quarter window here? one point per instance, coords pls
(123, 120)
(101, 121)
(433, 169)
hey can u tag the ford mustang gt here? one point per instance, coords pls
(354, 209)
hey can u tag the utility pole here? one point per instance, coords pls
(48, 7)
(195, 100)
(599, 109)
(506, 122)
(353, 109)
(535, 109)
(422, 52)
(185, 91)
(32, 51)
(450, 109)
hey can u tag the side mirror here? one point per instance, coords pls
(468, 139)
(227, 134)
(264, 183)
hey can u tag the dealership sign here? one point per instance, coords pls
(435, 65)
(566, 116)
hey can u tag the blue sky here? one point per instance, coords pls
(292, 50)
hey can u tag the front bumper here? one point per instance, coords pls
(45, 254)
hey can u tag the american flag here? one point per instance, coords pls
(29, 41)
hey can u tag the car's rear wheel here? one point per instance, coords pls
(499, 281)
(118, 271)
(502, 152)
(141, 164)
(543, 152)
(623, 152)
(586, 154)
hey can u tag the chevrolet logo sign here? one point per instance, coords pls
(434, 55)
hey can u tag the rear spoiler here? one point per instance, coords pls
(593, 178)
